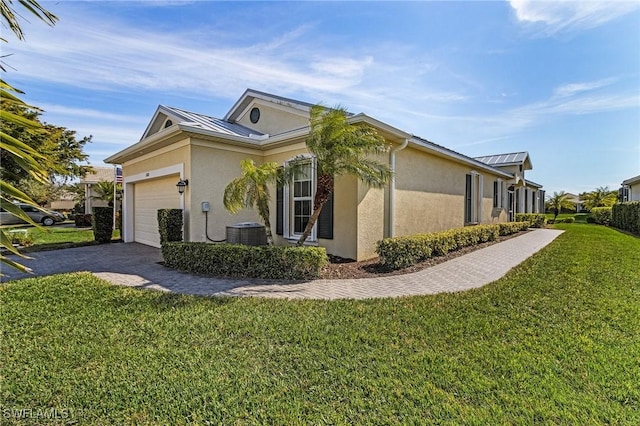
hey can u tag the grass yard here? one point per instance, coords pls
(46, 238)
(579, 217)
(556, 341)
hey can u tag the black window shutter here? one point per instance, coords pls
(279, 210)
(325, 220)
(495, 193)
(467, 200)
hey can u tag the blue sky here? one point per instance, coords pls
(559, 80)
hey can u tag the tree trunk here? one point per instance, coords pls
(263, 211)
(324, 188)
(312, 221)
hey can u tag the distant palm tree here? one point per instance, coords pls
(558, 202)
(251, 190)
(601, 197)
(105, 190)
(340, 148)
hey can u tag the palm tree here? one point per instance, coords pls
(558, 202)
(23, 154)
(105, 190)
(601, 197)
(340, 148)
(251, 190)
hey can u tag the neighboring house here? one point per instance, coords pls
(66, 202)
(630, 190)
(434, 188)
(97, 174)
(575, 199)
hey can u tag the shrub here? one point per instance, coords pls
(509, 228)
(241, 261)
(569, 219)
(82, 220)
(600, 215)
(536, 220)
(102, 224)
(626, 216)
(22, 237)
(401, 252)
(170, 225)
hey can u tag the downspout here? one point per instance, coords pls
(392, 185)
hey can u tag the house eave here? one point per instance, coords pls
(631, 181)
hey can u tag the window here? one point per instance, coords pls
(473, 198)
(294, 206)
(302, 198)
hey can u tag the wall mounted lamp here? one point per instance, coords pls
(181, 185)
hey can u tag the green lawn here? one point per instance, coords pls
(55, 237)
(579, 217)
(557, 341)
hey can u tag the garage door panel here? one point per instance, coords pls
(149, 197)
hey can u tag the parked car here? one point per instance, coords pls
(46, 217)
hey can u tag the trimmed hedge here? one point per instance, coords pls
(626, 216)
(537, 220)
(170, 225)
(82, 220)
(402, 252)
(600, 215)
(241, 261)
(102, 224)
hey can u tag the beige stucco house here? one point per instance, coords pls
(630, 189)
(434, 188)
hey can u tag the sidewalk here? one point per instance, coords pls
(137, 265)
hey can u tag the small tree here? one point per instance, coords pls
(601, 197)
(341, 148)
(557, 202)
(105, 190)
(251, 190)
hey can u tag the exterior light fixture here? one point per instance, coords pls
(181, 185)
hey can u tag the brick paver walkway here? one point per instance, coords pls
(137, 265)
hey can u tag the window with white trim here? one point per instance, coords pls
(301, 198)
(473, 198)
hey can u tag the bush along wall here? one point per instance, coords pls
(536, 220)
(102, 224)
(170, 225)
(240, 261)
(600, 215)
(626, 216)
(402, 252)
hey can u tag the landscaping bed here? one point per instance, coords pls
(340, 268)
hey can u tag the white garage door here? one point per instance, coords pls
(149, 197)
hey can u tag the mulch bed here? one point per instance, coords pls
(340, 268)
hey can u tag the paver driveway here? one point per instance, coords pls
(137, 265)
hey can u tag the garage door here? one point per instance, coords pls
(149, 197)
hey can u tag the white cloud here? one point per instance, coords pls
(562, 16)
(575, 88)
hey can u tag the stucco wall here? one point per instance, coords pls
(213, 169)
(273, 120)
(634, 192)
(430, 193)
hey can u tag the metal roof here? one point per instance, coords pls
(211, 123)
(504, 159)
